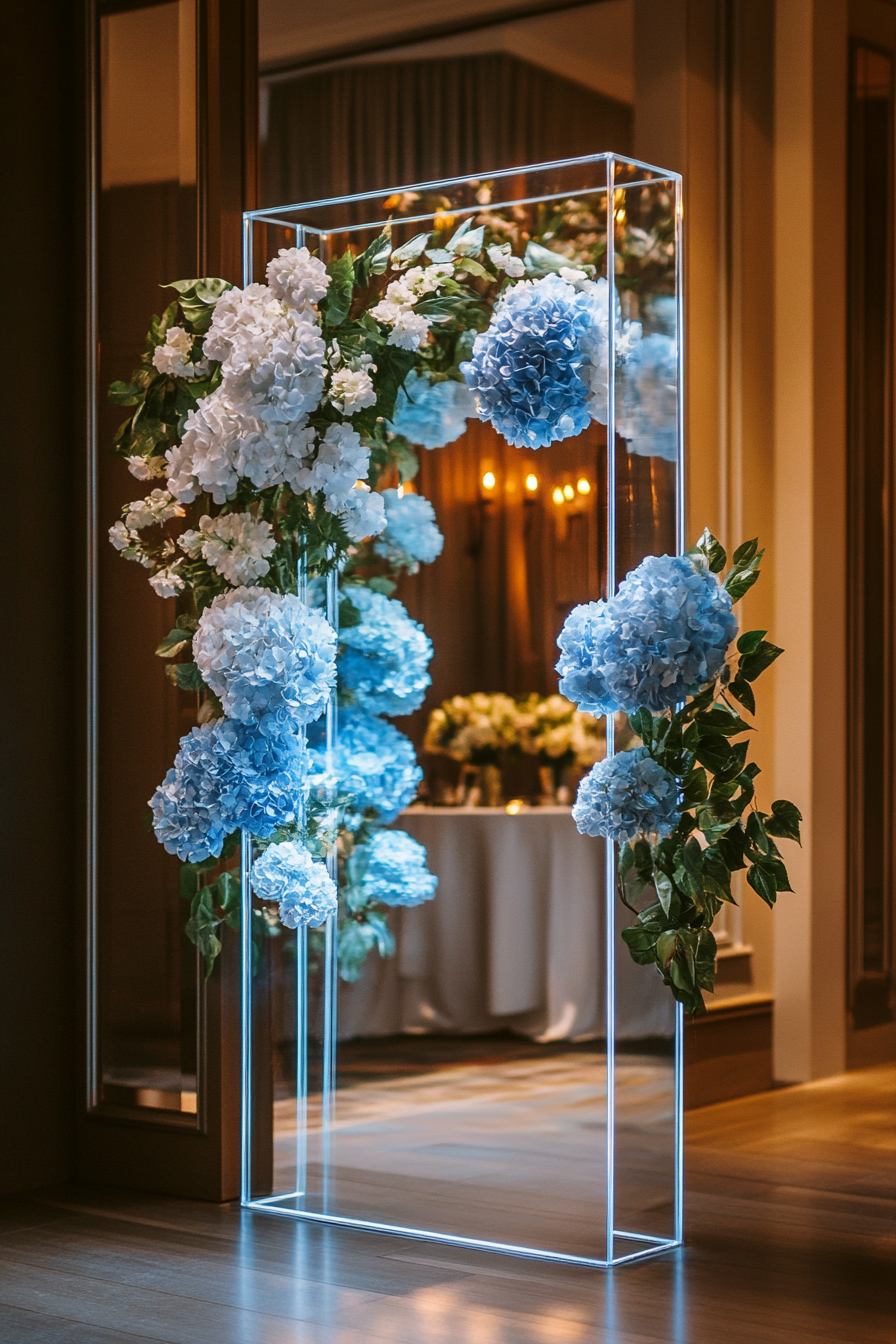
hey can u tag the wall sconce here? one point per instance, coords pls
(568, 492)
(583, 486)
(531, 482)
(557, 495)
(489, 480)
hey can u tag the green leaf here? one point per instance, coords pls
(380, 584)
(468, 245)
(441, 308)
(188, 677)
(475, 268)
(744, 554)
(740, 581)
(756, 833)
(349, 615)
(641, 724)
(665, 889)
(710, 547)
(666, 947)
(762, 882)
(751, 665)
(174, 642)
(723, 720)
(713, 752)
(338, 302)
(784, 822)
(694, 788)
(404, 457)
(742, 691)
(198, 299)
(540, 260)
(375, 259)
(641, 943)
(750, 640)
(411, 250)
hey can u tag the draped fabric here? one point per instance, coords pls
(363, 127)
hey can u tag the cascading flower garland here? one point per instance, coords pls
(263, 421)
(662, 638)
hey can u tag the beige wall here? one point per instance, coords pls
(755, 117)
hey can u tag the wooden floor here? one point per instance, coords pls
(791, 1232)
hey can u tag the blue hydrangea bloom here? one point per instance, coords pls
(432, 414)
(384, 661)
(229, 776)
(394, 871)
(647, 398)
(627, 795)
(412, 535)
(662, 637)
(525, 367)
(375, 764)
(304, 890)
(262, 651)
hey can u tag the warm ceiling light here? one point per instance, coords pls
(488, 480)
(557, 496)
(583, 486)
(531, 481)
(568, 492)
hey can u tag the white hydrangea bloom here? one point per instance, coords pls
(120, 537)
(204, 460)
(298, 278)
(235, 544)
(255, 334)
(341, 461)
(274, 454)
(146, 468)
(167, 583)
(158, 507)
(352, 389)
(364, 515)
(395, 310)
(502, 258)
(173, 358)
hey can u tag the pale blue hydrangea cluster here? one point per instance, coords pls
(525, 366)
(304, 890)
(432, 414)
(261, 651)
(662, 637)
(625, 796)
(384, 661)
(394, 870)
(412, 536)
(375, 764)
(229, 776)
(647, 398)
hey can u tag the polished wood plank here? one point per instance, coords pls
(791, 1240)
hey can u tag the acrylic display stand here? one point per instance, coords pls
(581, 1161)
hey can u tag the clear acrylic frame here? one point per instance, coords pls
(600, 1191)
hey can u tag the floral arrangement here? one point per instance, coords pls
(263, 421)
(481, 729)
(474, 729)
(682, 805)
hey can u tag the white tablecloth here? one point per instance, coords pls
(513, 938)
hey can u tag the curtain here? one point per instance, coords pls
(363, 127)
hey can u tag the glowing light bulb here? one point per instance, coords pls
(557, 496)
(531, 481)
(568, 492)
(514, 807)
(488, 480)
(583, 486)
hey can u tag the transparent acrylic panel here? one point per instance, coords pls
(461, 1090)
(647, 461)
